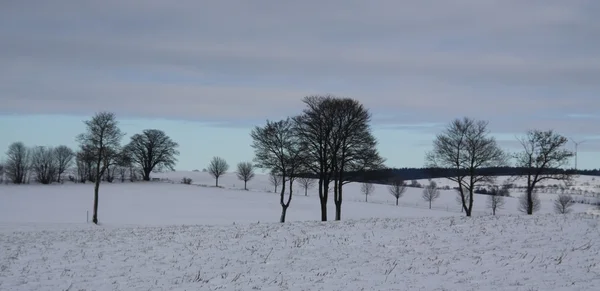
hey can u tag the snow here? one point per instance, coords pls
(169, 236)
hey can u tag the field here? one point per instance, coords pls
(170, 236)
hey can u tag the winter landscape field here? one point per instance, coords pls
(165, 235)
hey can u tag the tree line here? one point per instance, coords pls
(331, 140)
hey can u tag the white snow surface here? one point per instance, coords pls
(170, 236)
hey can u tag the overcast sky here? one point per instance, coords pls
(207, 71)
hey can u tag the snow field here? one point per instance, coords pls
(544, 252)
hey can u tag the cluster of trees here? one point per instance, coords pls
(44, 164)
(100, 156)
(328, 139)
(465, 147)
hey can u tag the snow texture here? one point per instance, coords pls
(164, 236)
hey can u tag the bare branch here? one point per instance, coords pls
(245, 172)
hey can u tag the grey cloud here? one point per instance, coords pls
(417, 62)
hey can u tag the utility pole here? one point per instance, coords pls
(576, 146)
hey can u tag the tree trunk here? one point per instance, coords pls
(283, 211)
(323, 209)
(217, 182)
(306, 191)
(493, 210)
(397, 201)
(245, 183)
(146, 175)
(366, 198)
(429, 204)
(338, 201)
(96, 190)
(529, 201)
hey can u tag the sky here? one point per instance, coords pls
(207, 72)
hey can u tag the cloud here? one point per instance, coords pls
(516, 63)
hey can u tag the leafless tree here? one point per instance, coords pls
(102, 141)
(245, 172)
(338, 137)
(542, 157)
(217, 168)
(431, 192)
(562, 205)
(466, 147)
(64, 158)
(306, 183)
(275, 180)
(397, 188)
(276, 147)
(367, 189)
(495, 200)
(152, 149)
(529, 203)
(44, 164)
(17, 162)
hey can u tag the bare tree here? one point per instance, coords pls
(44, 164)
(339, 141)
(495, 200)
(102, 141)
(152, 149)
(217, 167)
(275, 180)
(245, 172)
(276, 147)
(431, 192)
(529, 203)
(64, 158)
(17, 162)
(367, 189)
(466, 147)
(542, 157)
(306, 183)
(397, 188)
(562, 205)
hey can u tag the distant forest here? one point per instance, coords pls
(407, 174)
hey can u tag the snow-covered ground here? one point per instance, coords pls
(543, 252)
(170, 236)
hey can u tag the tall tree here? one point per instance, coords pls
(336, 133)
(217, 167)
(153, 149)
(397, 188)
(277, 147)
(102, 140)
(44, 164)
(17, 162)
(64, 158)
(466, 147)
(314, 128)
(245, 172)
(542, 157)
(353, 146)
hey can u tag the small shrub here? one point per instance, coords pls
(186, 180)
